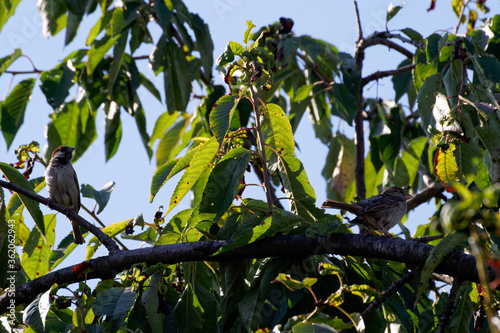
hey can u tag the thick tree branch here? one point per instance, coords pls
(359, 137)
(456, 264)
(376, 40)
(105, 239)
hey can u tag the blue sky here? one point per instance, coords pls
(332, 21)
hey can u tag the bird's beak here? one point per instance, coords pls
(408, 196)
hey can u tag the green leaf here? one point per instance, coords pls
(402, 82)
(221, 115)
(426, 99)
(114, 69)
(7, 9)
(468, 157)
(163, 14)
(465, 305)
(56, 84)
(435, 257)
(14, 176)
(12, 109)
(297, 187)
(73, 22)
(111, 230)
(407, 165)
(98, 51)
(37, 250)
(170, 140)
(151, 302)
(101, 197)
(113, 134)
(169, 169)
(302, 93)
(177, 78)
(292, 284)
(35, 313)
(482, 179)
(224, 181)
(100, 25)
(204, 44)
(277, 133)
(201, 160)
(414, 35)
(226, 57)
(188, 312)
(146, 83)
(115, 303)
(5, 62)
(491, 67)
(246, 36)
(344, 103)
(64, 127)
(140, 122)
(162, 124)
(392, 11)
(236, 48)
(53, 16)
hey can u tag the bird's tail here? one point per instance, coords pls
(77, 234)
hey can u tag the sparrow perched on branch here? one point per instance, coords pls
(380, 212)
(63, 186)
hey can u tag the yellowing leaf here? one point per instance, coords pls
(343, 174)
(445, 167)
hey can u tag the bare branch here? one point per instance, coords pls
(435, 190)
(358, 21)
(381, 74)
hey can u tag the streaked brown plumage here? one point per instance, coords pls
(380, 212)
(63, 186)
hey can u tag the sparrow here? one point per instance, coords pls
(380, 212)
(63, 186)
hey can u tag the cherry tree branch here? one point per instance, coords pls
(456, 264)
(105, 239)
(381, 74)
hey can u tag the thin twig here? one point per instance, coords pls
(104, 226)
(381, 74)
(376, 40)
(358, 21)
(460, 16)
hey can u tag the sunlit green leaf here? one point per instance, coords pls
(113, 134)
(220, 117)
(12, 109)
(407, 165)
(6, 61)
(200, 161)
(223, 183)
(436, 256)
(7, 9)
(101, 197)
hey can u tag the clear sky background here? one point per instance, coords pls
(329, 20)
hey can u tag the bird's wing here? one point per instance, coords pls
(380, 202)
